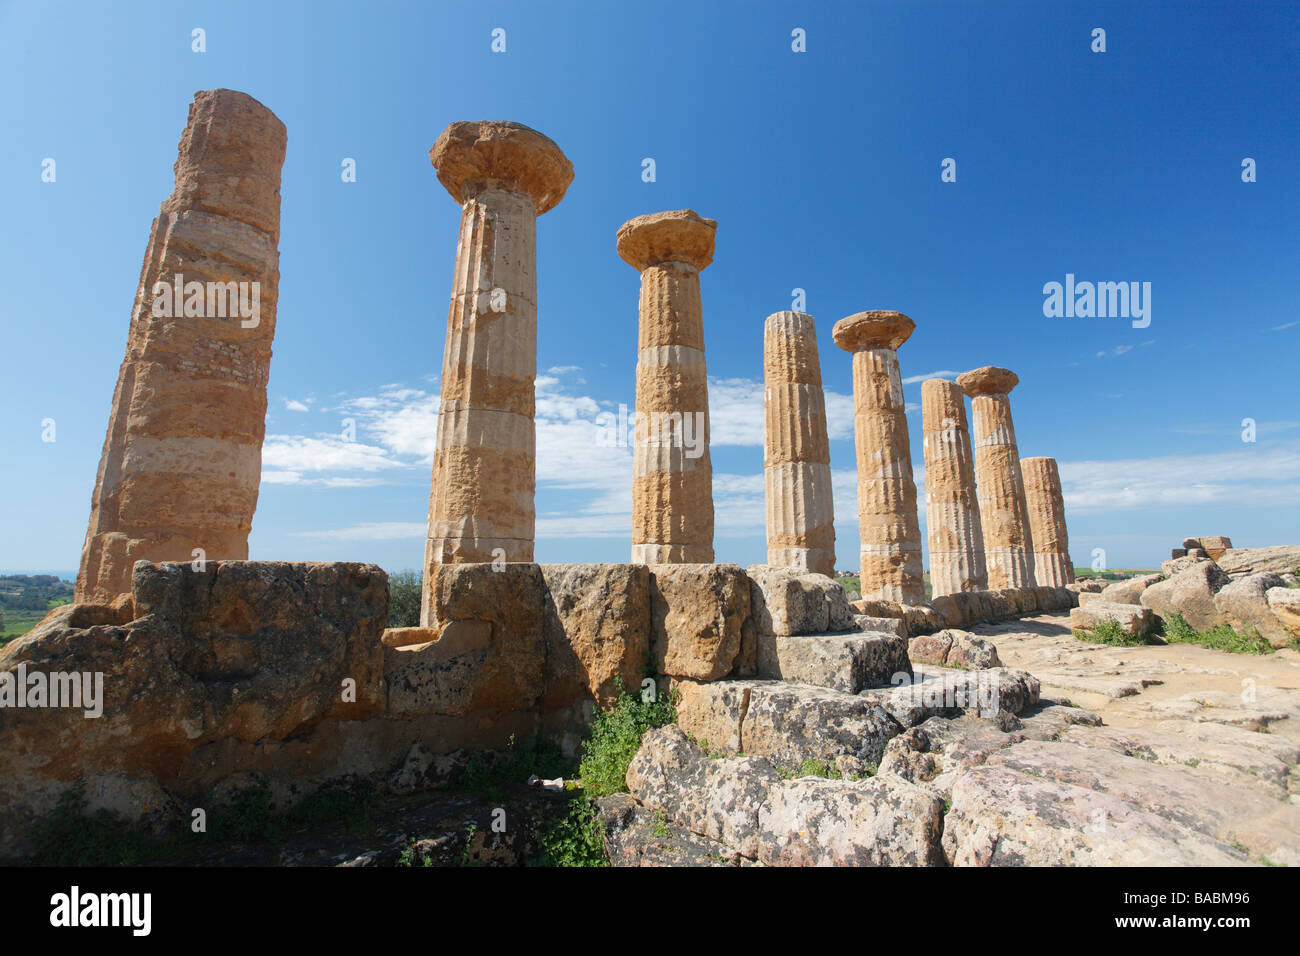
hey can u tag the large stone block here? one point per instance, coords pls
(1133, 618)
(1190, 593)
(844, 662)
(697, 613)
(784, 601)
(597, 630)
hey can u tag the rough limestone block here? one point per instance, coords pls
(784, 601)
(1190, 593)
(1133, 618)
(844, 662)
(881, 821)
(878, 609)
(492, 650)
(1283, 559)
(1285, 605)
(787, 723)
(597, 630)
(718, 799)
(886, 625)
(1130, 591)
(697, 612)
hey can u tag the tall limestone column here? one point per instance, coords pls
(503, 175)
(672, 475)
(952, 515)
(890, 533)
(1046, 507)
(1004, 518)
(179, 474)
(796, 455)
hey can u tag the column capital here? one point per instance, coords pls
(875, 329)
(681, 235)
(989, 380)
(471, 157)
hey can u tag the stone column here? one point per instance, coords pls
(1008, 546)
(179, 474)
(796, 454)
(952, 516)
(672, 476)
(891, 537)
(504, 175)
(1045, 506)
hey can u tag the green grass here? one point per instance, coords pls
(1176, 630)
(616, 737)
(1111, 632)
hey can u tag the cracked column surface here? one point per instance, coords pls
(952, 516)
(503, 175)
(672, 475)
(1045, 506)
(1004, 518)
(182, 460)
(796, 454)
(891, 535)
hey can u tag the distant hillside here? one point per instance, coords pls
(26, 598)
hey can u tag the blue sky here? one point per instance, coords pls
(822, 169)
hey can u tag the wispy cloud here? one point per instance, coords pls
(1257, 475)
(913, 379)
(1283, 327)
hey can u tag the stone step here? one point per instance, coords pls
(843, 662)
(747, 805)
(794, 722)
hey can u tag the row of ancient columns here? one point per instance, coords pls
(178, 478)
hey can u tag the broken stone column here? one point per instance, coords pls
(1004, 518)
(796, 453)
(504, 175)
(952, 515)
(891, 537)
(179, 473)
(1045, 506)
(672, 476)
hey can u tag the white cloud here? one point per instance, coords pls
(1256, 475)
(293, 454)
(372, 531)
(945, 373)
(1283, 327)
(293, 405)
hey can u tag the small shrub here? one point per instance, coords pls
(1111, 632)
(1176, 630)
(68, 836)
(404, 599)
(615, 738)
(573, 840)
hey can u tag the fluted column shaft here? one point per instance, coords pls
(181, 466)
(1004, 519)
(890, 564)
(672, 472)
(484, 468)
(796, 455)
(952, 516)
(1046, 509)
(504, 175)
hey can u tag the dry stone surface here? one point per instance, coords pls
(181, 465)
